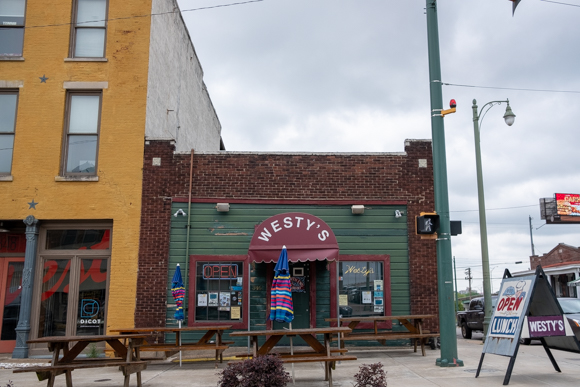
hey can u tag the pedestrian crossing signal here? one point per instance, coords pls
(427, 224)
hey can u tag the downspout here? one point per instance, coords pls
(188, 226)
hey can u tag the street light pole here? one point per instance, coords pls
(509, 117)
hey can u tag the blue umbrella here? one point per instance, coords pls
(281, 308)
(178, 292)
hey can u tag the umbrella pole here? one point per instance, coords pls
(180, 344)
(292, 354)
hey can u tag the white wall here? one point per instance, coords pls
(178, 104)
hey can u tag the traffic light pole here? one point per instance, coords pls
(444, 258)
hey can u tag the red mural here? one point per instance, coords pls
(11, 296)
(51, 269)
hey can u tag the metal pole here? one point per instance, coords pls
(482, 224)
(531, 236)
(444, 265)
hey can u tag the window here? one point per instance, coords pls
(89, 29)
(219, 291)
(362, 288)
(73, 273)
(81, 133)
(8, 102)
(11, 27)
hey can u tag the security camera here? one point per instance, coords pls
(179, 212)
(398, 214)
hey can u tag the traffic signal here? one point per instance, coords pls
(427, 224)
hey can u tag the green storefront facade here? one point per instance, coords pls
(373, 247)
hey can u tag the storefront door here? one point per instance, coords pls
(300, 278)
(11, 287)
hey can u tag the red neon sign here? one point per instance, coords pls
(220, 271)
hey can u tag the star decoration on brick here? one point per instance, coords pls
(43, 79)
(32, 205)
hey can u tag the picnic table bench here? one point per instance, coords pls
(320, 352)
(172, 347)
(413, 323)
(127, 356)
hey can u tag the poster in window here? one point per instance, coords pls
(378, 285)
(239, 281)
(367, 297)
(235, 313)
(202, 299)
(239, 298)
(378, 294)
(378, 301)
(378, 309)
(298, 284)
(343, 299)
(213, 299)
(224, 299)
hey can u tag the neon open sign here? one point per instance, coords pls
(220, 271)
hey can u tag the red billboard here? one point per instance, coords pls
(568, 204)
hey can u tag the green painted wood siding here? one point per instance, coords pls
(377, 231)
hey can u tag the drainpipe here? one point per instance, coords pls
(187, 230)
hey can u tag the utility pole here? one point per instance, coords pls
(447, 316)
(531, 236)
(469, 278)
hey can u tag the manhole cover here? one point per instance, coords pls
(483, 370)
(102, 380)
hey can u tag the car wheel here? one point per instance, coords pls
(465, 331)
(525, 341)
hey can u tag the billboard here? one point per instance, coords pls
(568, 204)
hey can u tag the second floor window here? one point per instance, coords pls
(89, 29)
(11, 27)
(82, 133)
(8, 102)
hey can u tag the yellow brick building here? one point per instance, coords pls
(83, 85)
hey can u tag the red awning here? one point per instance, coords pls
(306, 237)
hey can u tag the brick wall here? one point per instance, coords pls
(303, 177)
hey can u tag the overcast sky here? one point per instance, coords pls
(352, 76)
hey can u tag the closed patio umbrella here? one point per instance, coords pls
(281, 308)
(178, 292)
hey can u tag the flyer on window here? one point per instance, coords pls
(224, 299)
(202, 299)
(235, 313)
(378, 285)
(213, 299)
(366, 297)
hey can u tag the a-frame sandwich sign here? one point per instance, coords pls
(527, 308)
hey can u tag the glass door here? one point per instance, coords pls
(11, 288)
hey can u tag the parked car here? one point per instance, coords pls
(571, 308)
(472, 319)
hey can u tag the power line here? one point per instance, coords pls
(147, 15)
(511, 88)
(496, 209)
(559, 3)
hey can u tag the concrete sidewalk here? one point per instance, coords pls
(404, 369)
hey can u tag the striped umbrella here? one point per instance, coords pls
(281, 308)
(178, 292)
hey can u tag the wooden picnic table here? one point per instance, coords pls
(321, 351)
(127, 356)
(413, 323)
(172, 347)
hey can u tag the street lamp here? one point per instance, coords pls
(509, 118)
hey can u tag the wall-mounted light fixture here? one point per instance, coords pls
(223, 207)
(357, 209)
(398, 214)
(179, 212)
